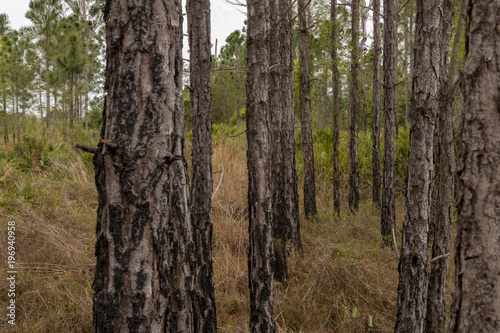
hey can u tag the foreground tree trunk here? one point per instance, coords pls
(436, 306)
(476, 301)
(414, 259)
(336, 118)
(144, 246)
(377, 102)
(259, 193)
(198, 16)
(388, 214)
(305, 110)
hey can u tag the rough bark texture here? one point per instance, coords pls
(198, 17)
(436, 306)
(364, 13)
(476, 301)
(305, 110)
(414, 259)
(377, 103)
(336, 118)
(281, 101)
(407, 85)
(388, 214)
(145, 244)
(259, 193)
(353, 124)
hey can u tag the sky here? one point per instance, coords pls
(225, 18)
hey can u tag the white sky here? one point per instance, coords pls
(225, 18)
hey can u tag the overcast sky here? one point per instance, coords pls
(225, 18)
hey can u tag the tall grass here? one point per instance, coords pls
(345, 281)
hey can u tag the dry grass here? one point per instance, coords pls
(344, 282)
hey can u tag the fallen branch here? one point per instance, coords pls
(441, 257)
(87, 149)
(107, 143)
(395, 244)
(220, 180)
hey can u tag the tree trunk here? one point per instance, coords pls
(86, 70)
(286, 223)
(259, 193)
(47, 97)
(64, 117)
(364, 13)
(414, 258)
(336, 120)
(145, 238)
(476, 301)
(407, 85)
(388, 214)
(305, 110)
(71, 100)
(18, 127)
(55, 115)
(5, 127)
(377, 103)
(436, 306)
(198, 16)
(353, 124)
(24, 110)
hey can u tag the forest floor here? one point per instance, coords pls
(344, 282)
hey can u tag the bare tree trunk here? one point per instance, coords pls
(47, 97)
(414, 259)
(305, 109)
(258, 160)
(18, 127)
(86, 70)
(353, 126)
(198, 16)
(276, 112)
(476, 301)
(436, 306)
(336, 120)
(286, 223)
(64, 117)
(24, 110)
(407, 85)
(5, 126)
(144, 247)
(388, 214)
(377, 103)
(55, 116)
(364, 13)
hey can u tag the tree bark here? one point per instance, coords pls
(286, 223)
(199, 26)
(336, 120)
(258, 160)
(377, 102)
(47, 96)
(145, 237)
(436, 306)
(353, 126)
(305, 110)
(364, 13)
(414, 259)
(388, 214)
(55, 115)
(407, 85)
(476, 300)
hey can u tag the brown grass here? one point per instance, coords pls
(344, 280)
